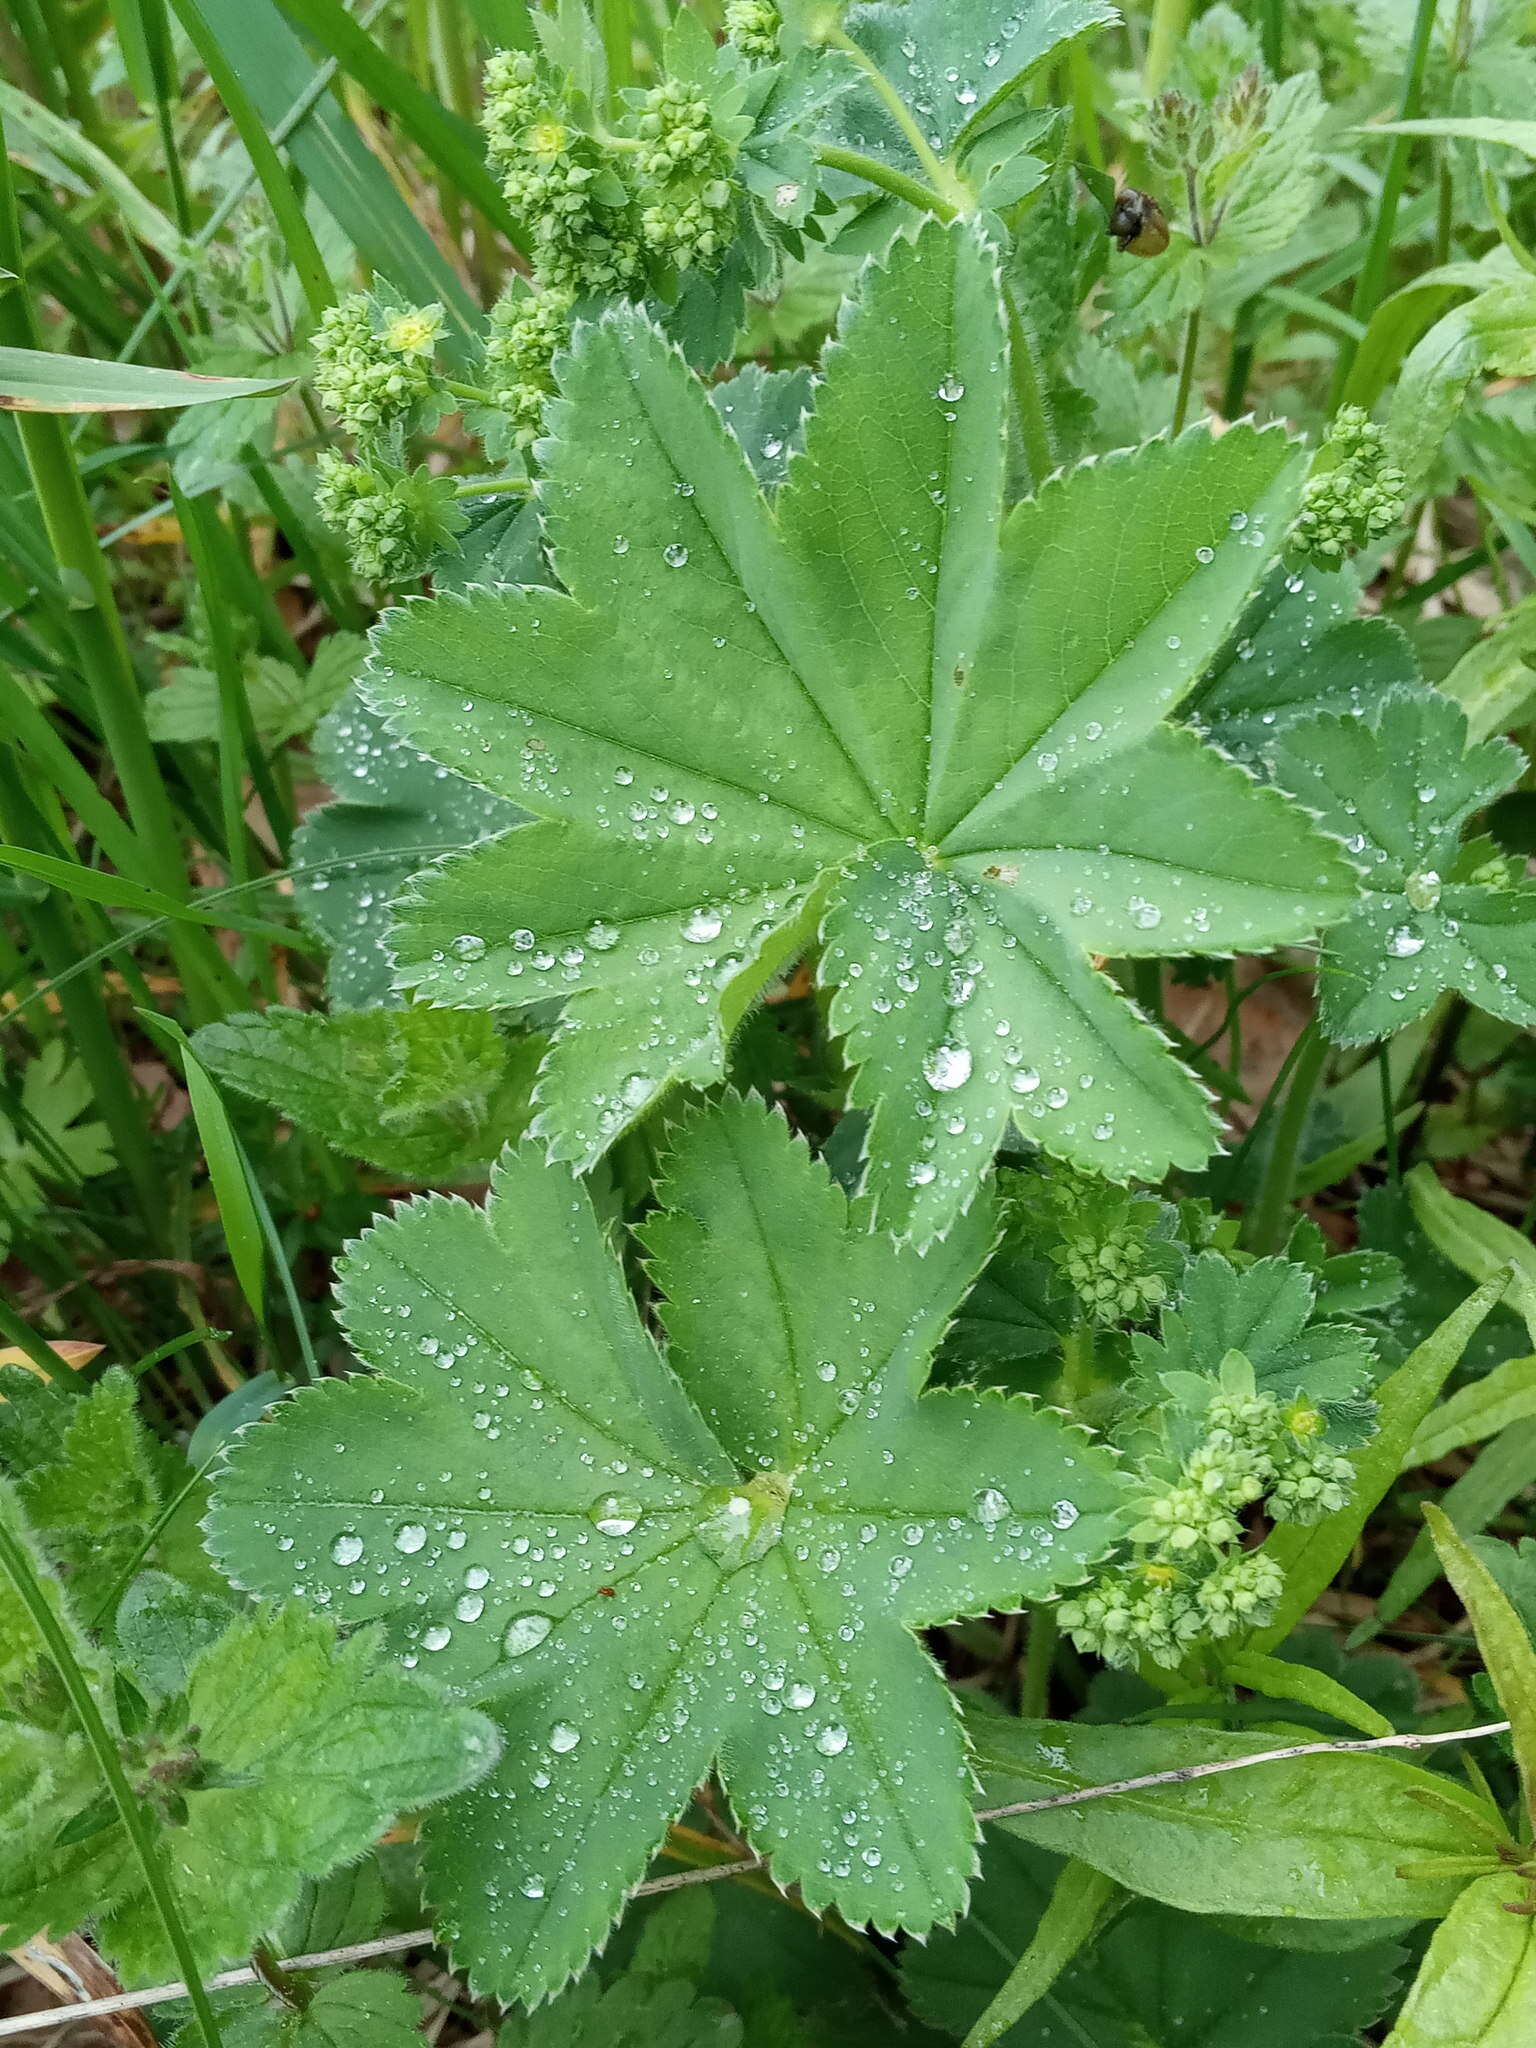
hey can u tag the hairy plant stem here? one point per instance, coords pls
(1186, 371)
(17, 1563)
(833, 157)
(1077, 1355)
(1371, 282)
(1039, 1656)
(1031, 406)
(1271, 1212)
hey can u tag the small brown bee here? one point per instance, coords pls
(1138, 224)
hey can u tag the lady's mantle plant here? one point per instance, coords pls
(643, 1563)
(886, 710)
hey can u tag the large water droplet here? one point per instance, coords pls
(525, 1632)
(410, 1537)
(947, 1066)
(701, 926)
(832, 1741)
(991, 1507)
(614, 1514)
(563, 1738)
(347, 1549)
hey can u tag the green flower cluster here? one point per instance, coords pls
(753, 26)
(527, 331)
(686, 219)
(1105, 1251)
(1357, 497)
(391, 519)
(600, 208)
(1188, 1582)
(564, 182)
(369, 374)
(375, 370)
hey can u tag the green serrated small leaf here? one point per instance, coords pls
(428, 1094)
(95, 1500)
(284, 700)
(300, 1752)
(1264, 1310)
(1397, 788)
(363, 2009)
(878, 688)
(644, 1565)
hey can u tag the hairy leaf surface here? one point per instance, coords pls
(1397, 788)
(644, 1564)
(880, 701)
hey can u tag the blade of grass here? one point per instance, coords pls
(303, 252)
(450, 143)
(1372, 281)
(226, 1165)
(274, 69)
(100, 643)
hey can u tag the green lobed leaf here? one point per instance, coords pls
(1152, 1976)
(95, 1499)
(649, 2012)
(427, 1094)
(952, 66)
(643, 1565)
(1320, 1837)
(1476, 1988)
(1397, 788)
(284, 700)
(881, 693)
(1264, 1310)
(394, 811)
(1298, 649)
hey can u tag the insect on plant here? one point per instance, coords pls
(768, 952)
